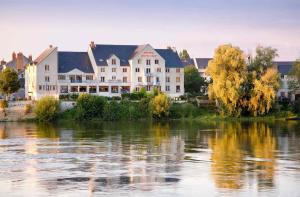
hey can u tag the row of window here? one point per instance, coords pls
(47, 87)
(93, 89)
(148, 62)
(148, 70)
(149, 88)
(148, 79)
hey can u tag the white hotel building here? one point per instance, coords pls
(106, 70)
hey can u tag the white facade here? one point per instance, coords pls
(146, 68)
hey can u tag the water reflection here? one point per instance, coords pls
(144, 156)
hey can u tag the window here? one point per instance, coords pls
(177, 79)
(124, 70)
(148, 79)
(47, 78)
(74, 88)
(82, 89)
(53, 88)
(113, 70)
(139, 79)
(114, 89)
(102, 70)
(148, 88)
(125, 79)
(178, 70)
(113, 77)
(167, 70)
(46, 67)
(40, 87)
(157, 79)
(148, 70)
(92, 89)
(137, 70)
(167, 88)
(158, 70)
(103, 88)
(61, 77)
(167, 79)
(63, 89)
(282, 76)
(102, 79)
(139, 61)
(177, 88)
(156, 61)
(113, 61)
(137, 89)
(89, 77)
(148, 62)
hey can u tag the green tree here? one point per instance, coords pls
(294, 82)
(228, 71)
(184, 55)
(46, 109)
(9, 82)
(160, 106)
(193, 82)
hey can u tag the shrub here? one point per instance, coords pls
(296, 107)
(27, 109)
(184, 110)
(160, 106)
(47, 109)
(112, 111)
(89, 106)
(3, 104)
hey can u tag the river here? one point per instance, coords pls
(150, 159)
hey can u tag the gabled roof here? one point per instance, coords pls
(44, 54)
(189, 62)
(103, 52)
(202, 63)
(171, 58)
(284, 67)
(68, 61)
(13, 63)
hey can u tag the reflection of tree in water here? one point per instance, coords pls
(231, 146)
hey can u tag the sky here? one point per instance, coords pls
(199, 26)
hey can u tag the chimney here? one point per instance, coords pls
(30, 58)
(20, 63)
(14, 56)
(50, 46)
(92, 45)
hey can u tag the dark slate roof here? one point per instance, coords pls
(284, 67)
(68, 61)
(202, 63)
(126, 52)
(123, 52)
(171, 58)
(189, 62)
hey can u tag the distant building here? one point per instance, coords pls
(106, 70)
(18, 63)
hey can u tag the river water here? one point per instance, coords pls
(150, 159)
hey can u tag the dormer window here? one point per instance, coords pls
(113, 61)
(139, 61)
(148, 62)
(156, 61)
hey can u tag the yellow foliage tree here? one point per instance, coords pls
(264, 91)
(228, 71)
(160, 105)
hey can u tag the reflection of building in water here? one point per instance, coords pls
(230, 148)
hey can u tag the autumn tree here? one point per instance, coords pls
(193, 82)
(9, 82)
(184, 55)
(294, 82)
(228, 71)
(263, 81)
(160, 106)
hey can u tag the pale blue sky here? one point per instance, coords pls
(197, 25)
